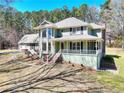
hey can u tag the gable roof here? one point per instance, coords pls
(45, 24)
(95, 26)
(29, 38)
(70, 22)
(67, 23)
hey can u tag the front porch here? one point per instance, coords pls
(79, 47)
(85, 52)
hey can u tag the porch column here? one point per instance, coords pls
(47, 40)
(67, 47)
(101, 47)
(96, 47)
(60, 46)
(52, 47)
(80, 47)
(86, 47)
(47, 44)
(40, 44)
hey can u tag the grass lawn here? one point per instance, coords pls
(115, 80)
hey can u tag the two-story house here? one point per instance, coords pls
(77, 41)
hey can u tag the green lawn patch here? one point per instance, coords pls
(115, 80)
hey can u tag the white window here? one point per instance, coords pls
(78, 45)
(44, 46)
(74, 30)
(44, 33)
(84, 28)
(74, 45)
(49, 32)
(53, 33)
(78, 28)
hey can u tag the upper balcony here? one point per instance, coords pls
(74, 31)
(56, 33)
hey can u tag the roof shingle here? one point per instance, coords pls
(30, 38)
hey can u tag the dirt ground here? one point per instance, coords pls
(25, 76)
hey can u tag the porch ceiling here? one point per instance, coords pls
(77, 37)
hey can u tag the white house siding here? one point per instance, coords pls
(23, 47)
(28, 47)
(86, 60)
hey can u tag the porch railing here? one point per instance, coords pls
(81, 51)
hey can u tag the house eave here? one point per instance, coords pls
(72, 26)
(79, 38)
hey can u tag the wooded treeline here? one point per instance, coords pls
(15, 24)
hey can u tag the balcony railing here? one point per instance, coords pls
(80, 51)
(73, 33)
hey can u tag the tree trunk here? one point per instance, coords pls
(123, 37)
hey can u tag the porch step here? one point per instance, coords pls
(54, 59)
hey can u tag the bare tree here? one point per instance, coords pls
(114, 18)
(118, 17)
